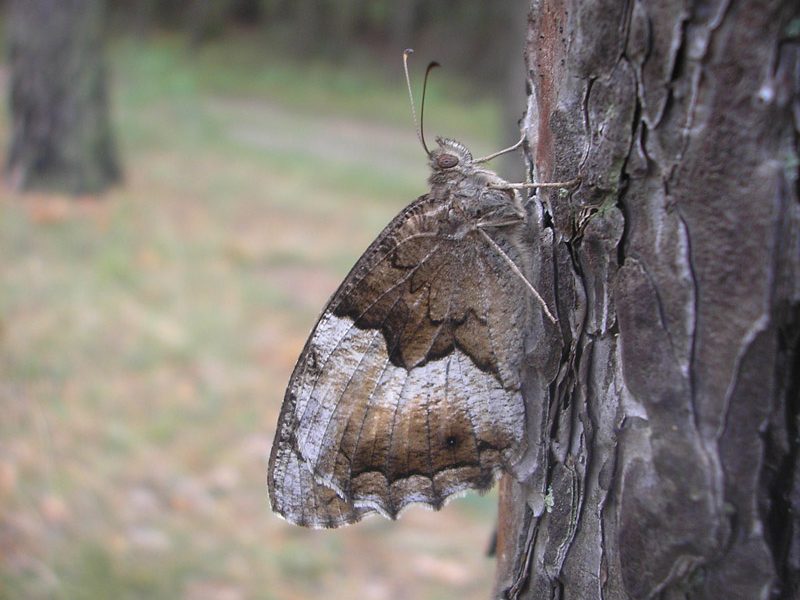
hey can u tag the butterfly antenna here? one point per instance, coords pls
(431, 67)
(417, 124)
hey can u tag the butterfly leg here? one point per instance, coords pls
(501, 152)
(533, 184)
(495, 246)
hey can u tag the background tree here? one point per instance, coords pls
(61, 136)
(663, 429)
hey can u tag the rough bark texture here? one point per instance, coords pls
(663, 421)
(61, 137)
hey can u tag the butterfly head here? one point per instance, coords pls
(450, 156)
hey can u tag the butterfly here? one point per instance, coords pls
(408, 389)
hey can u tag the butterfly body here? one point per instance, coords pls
(408, 389)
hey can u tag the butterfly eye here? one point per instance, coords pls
(446, 161)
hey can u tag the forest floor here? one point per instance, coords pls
(146, 336)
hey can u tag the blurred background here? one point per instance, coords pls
(185, 184)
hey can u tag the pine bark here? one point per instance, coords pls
(61, 135)
(664, 411)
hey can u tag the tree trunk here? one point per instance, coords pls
(61, 137)
(308, 26)
(664, 410)
(402, 23)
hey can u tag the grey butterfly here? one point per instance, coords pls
(408, 389)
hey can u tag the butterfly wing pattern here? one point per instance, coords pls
(408, 389)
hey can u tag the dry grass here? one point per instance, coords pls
(146, 337)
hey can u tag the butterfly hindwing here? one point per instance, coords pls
(408, 387)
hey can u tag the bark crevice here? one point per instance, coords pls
(663, 444)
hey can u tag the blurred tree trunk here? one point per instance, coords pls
(206, 19)
(401, 23)
(61, 137)
(309, 26)
(343, 26)
(664, 409)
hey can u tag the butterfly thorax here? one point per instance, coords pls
(475, 197)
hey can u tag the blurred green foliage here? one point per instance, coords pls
(468, 35)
